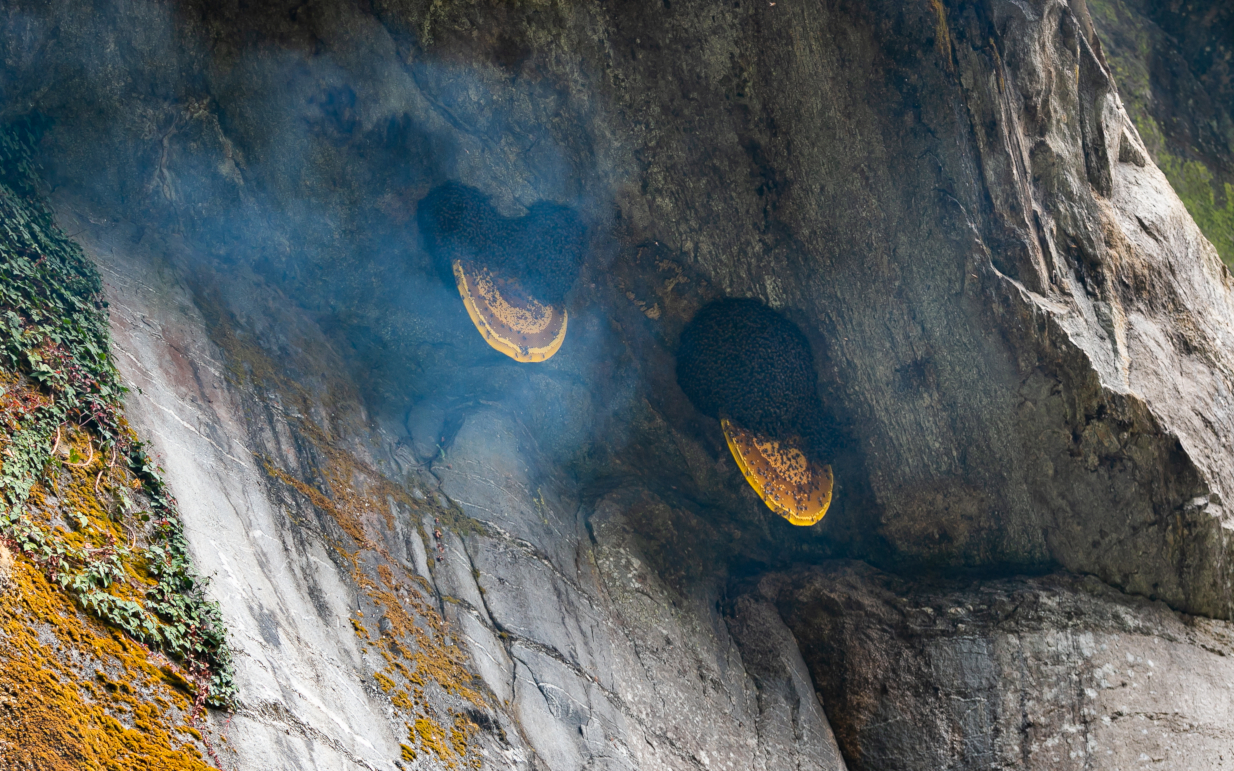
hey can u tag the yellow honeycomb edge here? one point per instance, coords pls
(496, 341)
(752, 478)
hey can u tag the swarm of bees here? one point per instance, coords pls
(512, 273)
(739, 361)
(752, 368)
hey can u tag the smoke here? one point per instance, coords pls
(301, 160)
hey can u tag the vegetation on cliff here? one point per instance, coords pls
(81, 499)
(1179, 100)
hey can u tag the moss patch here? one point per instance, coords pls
(75, 695)
(1195, 186)
(80, 498)
(1133, 44)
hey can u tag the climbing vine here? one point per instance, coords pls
(113, 539)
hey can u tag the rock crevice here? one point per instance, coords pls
(428, 555)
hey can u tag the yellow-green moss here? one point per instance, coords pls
(1130, 51)
(414, 644)
(88, 526)
(76, 696)
(1194, 184)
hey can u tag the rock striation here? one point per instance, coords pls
(1050, 672)
(430, 556)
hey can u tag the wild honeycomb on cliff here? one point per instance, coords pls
(750, 367)
(513, 274)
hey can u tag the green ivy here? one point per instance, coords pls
(53, 331)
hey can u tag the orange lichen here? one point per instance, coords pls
(414, 643)
(450, 747)
(789, 483)
(510, 320)
(75, 695)
(460, 733)
(401, 700)
(385, 682)
(432, 737)
(359, 500)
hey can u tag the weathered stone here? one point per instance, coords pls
(1022, 338)
(1057, 672)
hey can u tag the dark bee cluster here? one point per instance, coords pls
(543, 249)
(743, 361)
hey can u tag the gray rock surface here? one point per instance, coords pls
(304, 701)
(1023, 338)
(1056, 672)
(587, 659)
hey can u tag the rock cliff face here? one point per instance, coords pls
(431, 556)
(1172, 62)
